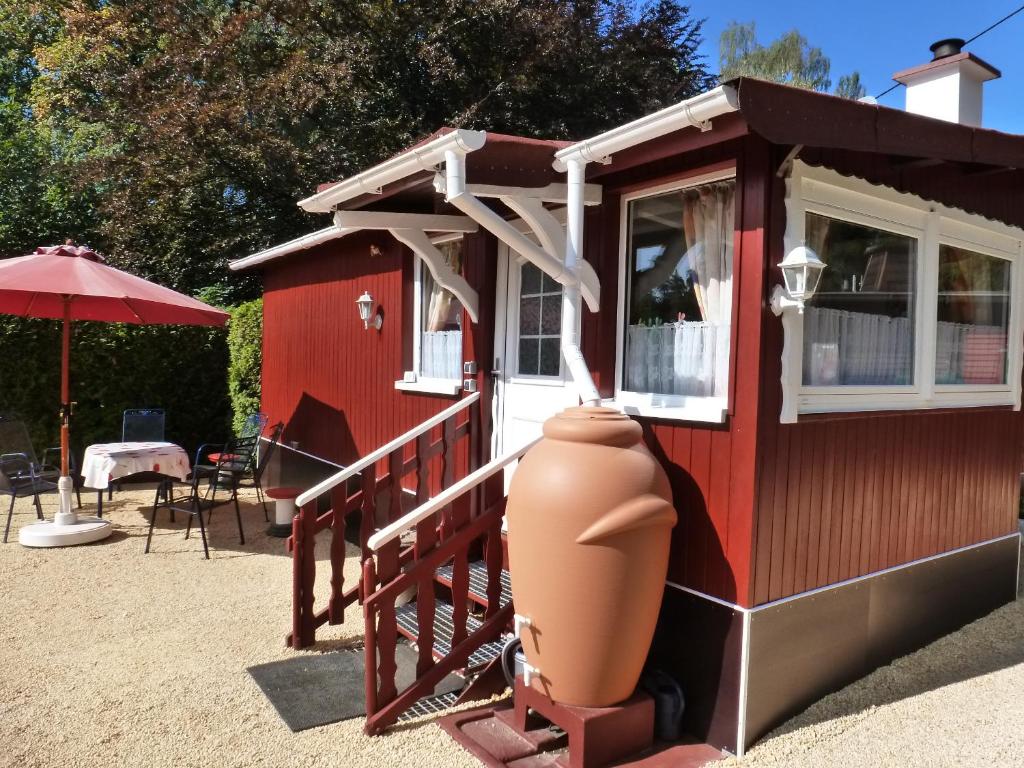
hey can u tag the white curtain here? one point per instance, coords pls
(857, 348)
(441, 337)
(441, 354)
(675, 359)
(687, 357)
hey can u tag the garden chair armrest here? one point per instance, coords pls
(206, 448)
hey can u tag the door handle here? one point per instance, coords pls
(497, 367)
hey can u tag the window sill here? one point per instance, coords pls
(711, 410)
(430, 386)
(839, 403)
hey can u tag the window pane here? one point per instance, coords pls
(530, 280)
(859, 326)
(529, 316)
(550, 356)
(528, 357)
(551, 317)
(680, 291)
(441, 321)
(973, 318)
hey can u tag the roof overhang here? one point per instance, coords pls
(303, 243)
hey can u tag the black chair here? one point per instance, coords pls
(19, 480)
(253, 477)
(138, 425)
(143, 425)
(15, 442)
(193, 503)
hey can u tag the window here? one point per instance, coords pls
(540, 323)
(859, 326)
(918, 307)
(973, 318)
(437, 330)
(678, 266)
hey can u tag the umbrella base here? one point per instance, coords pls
(86, 530)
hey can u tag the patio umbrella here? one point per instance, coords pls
(71, 283)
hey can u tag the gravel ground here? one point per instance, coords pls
(109, 657)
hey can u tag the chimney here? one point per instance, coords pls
(949, 86)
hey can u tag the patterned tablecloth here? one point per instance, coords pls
(110, 461)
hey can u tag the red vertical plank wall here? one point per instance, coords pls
(330, 380)
(846, 495)
(711, 466)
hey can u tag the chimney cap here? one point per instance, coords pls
(984, 70)
(950, 46)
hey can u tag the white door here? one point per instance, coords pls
(530, 377)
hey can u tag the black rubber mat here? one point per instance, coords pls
(317, 689)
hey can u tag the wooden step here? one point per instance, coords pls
(478, 582)
(444, 628)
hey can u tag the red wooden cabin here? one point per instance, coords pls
(847, 476)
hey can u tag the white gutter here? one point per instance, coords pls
(423, 158)
(298, 244)
(696, 112)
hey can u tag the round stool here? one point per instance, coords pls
(284, 510)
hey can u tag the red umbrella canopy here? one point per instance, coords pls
(37, 285)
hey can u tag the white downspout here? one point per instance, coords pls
(578, 369)
(566, 273)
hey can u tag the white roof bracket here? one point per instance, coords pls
(389, 220)
(551, 236)
(418, 241)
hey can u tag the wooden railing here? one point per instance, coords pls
(420, 462)
(446, 532)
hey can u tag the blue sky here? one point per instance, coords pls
(879, 38)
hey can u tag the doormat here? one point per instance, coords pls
(314, 690)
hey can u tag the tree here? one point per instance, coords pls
(790, 60)
(204, 120)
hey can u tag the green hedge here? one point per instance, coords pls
(245, 347)
(183, 369)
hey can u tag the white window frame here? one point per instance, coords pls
(811, 189)
(675, 407)
(412, 381)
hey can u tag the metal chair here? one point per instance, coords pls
(253, 478)
(143, 425)
(193, 504)
(19, 480)
(15, 442)
(138, 425)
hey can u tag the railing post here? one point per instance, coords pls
(369, 584)
(336, 606)
(303, 576)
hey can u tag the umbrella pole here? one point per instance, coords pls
(66, 514)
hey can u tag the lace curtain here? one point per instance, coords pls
(441, 337)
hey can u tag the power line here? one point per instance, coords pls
(988, 29)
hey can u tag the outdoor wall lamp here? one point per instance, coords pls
(365, 304)
(801, 271)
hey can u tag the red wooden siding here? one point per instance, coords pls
(711, 467)
(328, 379)
(846, 495)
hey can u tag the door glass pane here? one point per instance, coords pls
(973, 318)
(859, 326)
(540, 323)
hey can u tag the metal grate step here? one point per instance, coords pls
(478, 582)
(444, 629)
(430, 705)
